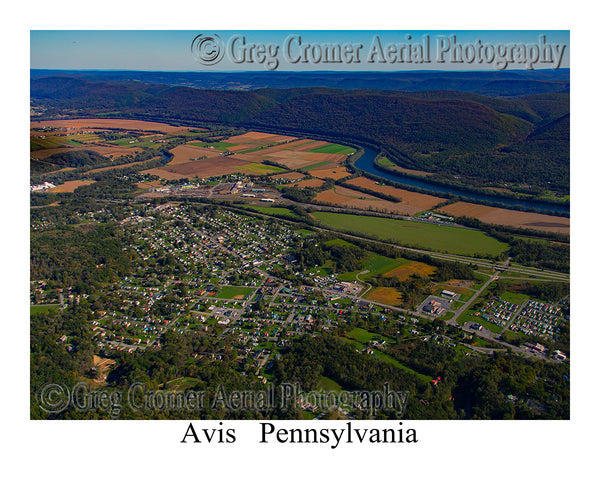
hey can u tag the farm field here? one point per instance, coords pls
(335, 173)
(403, 272)
(111, 151)
(386, 295)
(70, 186)
(259, 169)
(290, 176)
(346, 197)
(311, 182)
(334, 148)
(111, 123)
(250, 152)
(514, 218)
(419, 201)
(428, 236)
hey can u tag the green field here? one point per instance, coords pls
(260, 169)
(314, 166)
(375, 264)
(428, 236)
(365, 336)
(334, 148)
(386, 162)
(231, 291)
(329, 385)
(272, 211)
(42, 308)
(387, 359)
(469, 316)
(338, 241)
(517, 298)
(183, 383)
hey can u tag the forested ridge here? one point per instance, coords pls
(457, 134)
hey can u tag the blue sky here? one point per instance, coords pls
(162, 50)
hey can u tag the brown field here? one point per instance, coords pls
(514, 218)
(456, 289)
(185, 153)
(414, 199)
(294, 159)
(335, 173)
(70, 186)
(164, 174)
(148, 185)
(106, 150)
(353, 199)
(386, 295)
(200, 168)
(413, 268)
(459, 284)
(258, 138)
(110, 123)
(290, 176)
(311, 182)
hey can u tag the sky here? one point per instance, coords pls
(166, 50)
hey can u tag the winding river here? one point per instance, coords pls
(367, 163)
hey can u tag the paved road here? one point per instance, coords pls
(467, 304)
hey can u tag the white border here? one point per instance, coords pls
(151, 448)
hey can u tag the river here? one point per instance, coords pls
(367, 163)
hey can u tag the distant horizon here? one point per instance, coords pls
(512, 70)
(299, 50)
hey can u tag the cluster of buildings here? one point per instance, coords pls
(498, 311)
(42, 187)
(538, 318)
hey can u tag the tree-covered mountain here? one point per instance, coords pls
(472, 137)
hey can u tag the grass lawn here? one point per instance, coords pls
(43, 308)
(375, 264)
(182, 383)
(272, 211)
(387, 359)
(338, 241)
(517, 298)
(469, 316)
(365, 336)
(386, 162)
(328, 384)
(231, 291)
(440, 238)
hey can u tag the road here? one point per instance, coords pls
(467, 304)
